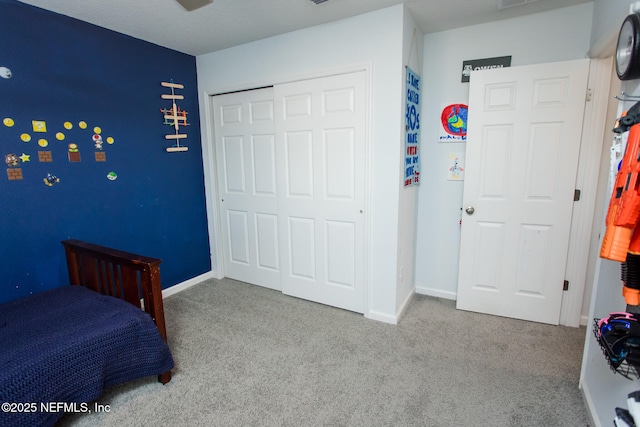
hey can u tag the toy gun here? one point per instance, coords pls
(622, 238)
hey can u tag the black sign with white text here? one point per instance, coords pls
(483, 64)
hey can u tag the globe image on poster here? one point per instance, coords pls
(454, 119)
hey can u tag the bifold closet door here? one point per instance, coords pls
(291, 183)
(246, 172)
(320, 145)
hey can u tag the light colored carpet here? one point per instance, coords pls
(249, 356)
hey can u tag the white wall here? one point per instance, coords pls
(604, 34)
(374, 39)
(558, 35)
(408, 199)
(604, 390)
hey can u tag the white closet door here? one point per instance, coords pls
(320, 140)
(246, 163)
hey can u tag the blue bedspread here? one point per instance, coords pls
(67, 345)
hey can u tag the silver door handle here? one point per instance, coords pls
(470, 210)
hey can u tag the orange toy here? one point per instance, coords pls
(624, 206)
(621, 241)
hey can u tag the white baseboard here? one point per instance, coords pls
(588, 401)
(439, 293)
(381, 317)
(387, 318)
(584, 320)
(404, 305)
(188, 283)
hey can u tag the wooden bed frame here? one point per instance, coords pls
(133, 278)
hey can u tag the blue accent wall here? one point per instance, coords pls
(65, 71)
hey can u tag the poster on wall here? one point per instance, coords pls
(455, 170)
(412, 130)
(453, 123)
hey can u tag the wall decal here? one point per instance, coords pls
(5, 73)
(14, 173)
(49, 180)
(11, 160)
(39, 125)
(73, 150)
(74, 153)
(45, 156)
(97, 141)
(112, 176)
(174, 116)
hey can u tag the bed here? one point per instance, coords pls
(61, 348)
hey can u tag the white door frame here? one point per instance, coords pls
(209, 162)
(594, 134)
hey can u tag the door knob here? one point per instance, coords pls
(470, 210)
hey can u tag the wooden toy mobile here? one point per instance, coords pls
(175, 117)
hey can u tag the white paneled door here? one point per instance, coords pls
(291, 179)
(246, 171)
(524, 133)
(321, 142)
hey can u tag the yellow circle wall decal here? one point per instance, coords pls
(68, 125)
(97, 130)
(110, 140)
(8, 122)
(82, 125)
(59, 136)
(43, 142)
(25, 137)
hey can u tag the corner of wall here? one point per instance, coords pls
(435, 292)
(412, 41)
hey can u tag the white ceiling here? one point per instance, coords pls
(227, 23)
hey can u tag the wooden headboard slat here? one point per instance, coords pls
(109, 279)
(131, 294)
(88, 273)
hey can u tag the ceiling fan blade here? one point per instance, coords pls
(194, 4)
